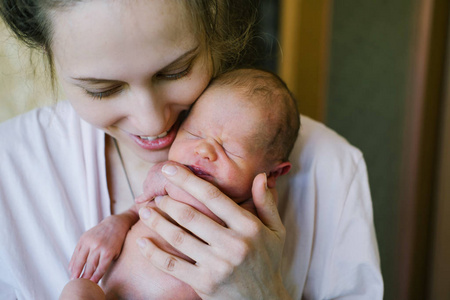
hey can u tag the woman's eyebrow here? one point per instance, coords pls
(94, 80)
(180, 58)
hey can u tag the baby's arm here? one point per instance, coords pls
(100, 245)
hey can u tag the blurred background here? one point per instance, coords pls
(377, 72)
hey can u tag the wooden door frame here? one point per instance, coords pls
(439, 273)
(305, 28)
(418, 184)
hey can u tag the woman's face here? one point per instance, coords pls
(130, 68)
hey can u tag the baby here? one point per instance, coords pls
(245, 123)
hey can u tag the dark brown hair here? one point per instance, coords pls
(226, 26)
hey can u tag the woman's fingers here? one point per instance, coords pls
(223, 207)
(230, 262)
(167, 262)
(265, 201)
(182, 240)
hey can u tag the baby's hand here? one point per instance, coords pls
(98, 246)
(154, 185)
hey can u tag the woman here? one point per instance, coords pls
(128, 70)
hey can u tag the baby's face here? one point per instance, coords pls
(219, 142)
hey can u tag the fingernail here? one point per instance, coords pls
(158, 199)
(169, 170)
(141, 242)
(144, 213)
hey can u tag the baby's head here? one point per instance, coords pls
(245, 123)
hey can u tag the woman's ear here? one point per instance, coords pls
(278, 170)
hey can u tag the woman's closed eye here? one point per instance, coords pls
(174, 75)
(98, 95)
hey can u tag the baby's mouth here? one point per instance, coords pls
(199, 172)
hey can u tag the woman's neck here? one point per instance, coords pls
(123, 177)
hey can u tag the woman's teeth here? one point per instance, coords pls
(151, 138)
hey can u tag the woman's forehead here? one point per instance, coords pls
(105, 33)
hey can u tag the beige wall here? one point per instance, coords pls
(20, 88)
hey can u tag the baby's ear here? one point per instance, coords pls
(278, 170)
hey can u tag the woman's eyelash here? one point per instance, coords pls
(110, 92)
(175, 76)
(101, 95)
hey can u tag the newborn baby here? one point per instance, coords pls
(244, 124)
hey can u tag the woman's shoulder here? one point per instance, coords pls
(49, 141)
(48, 126)
(42, 118)
(319, 144)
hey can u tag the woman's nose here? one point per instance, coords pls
(150, 114)
(206, 150)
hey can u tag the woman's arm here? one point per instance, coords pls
(240, 260)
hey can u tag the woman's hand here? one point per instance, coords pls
(239, 261)
(156, 184)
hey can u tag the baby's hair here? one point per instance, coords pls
(269, 93)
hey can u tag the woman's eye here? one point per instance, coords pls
(98, 95)
(175, 75)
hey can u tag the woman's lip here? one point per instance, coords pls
(162, 141)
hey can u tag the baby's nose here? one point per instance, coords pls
(206, 150)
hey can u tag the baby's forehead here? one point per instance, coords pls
(249, 111)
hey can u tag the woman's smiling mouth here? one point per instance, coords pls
(152, 138)
(158, 142)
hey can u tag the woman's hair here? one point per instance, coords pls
(225, 26)
(228, 28)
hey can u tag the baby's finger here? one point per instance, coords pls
(77, 262)
(141, 199)
(91, 266)
(101, 269)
